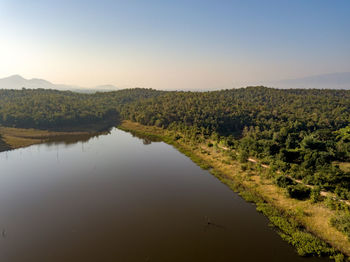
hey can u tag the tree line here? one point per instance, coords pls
(51, 109)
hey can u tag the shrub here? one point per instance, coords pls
(342, 193)
(335, 204)
(177, 137)
(284, 181)
(250, 197)
(338, 257)
(243, 156)
(315, 194)
(342, 222)
(330, 203)
(298, 191)
(244, 167)
(305, 243)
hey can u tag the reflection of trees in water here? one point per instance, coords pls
(76, 138)
(146, 141)
(73, 139)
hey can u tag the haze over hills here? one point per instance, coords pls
(19, 82)
(323, 81)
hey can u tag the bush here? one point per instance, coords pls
(315, 195)
(335, 204)
(338, 257)
(177, 137)
(250, 196)
(243, 156)
(330, 203)
(244, 167)
(342, 222)
(284, 181)
(298, 191)
(305, 243)
(342, 193)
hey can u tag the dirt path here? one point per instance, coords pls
(323, 193)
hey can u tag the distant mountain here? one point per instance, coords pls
(18, 82)
(325, 81)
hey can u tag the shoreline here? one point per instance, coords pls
(301, 223)
(14, 138)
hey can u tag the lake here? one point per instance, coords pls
(117, 197)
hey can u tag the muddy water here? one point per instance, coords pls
(119, 198)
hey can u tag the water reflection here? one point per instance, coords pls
(73, 139)
(146, 141)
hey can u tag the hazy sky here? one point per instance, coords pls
(173, 44)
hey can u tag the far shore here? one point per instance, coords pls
(13, 138)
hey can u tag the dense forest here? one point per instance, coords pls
(52, 109)
(302, 133)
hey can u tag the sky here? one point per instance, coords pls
(168, 44)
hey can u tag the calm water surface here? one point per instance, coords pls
(117, 198)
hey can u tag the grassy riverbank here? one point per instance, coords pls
(294, 219)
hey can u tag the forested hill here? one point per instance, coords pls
(229, 111)
(52, 109)
(226, 112)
